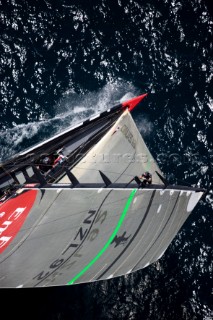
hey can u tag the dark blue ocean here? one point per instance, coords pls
(62, 61)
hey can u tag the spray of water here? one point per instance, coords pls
(70, 110)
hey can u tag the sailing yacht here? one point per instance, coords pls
(73, 210)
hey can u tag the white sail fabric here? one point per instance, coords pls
(78, 236)
(121, 154)
(63, 234)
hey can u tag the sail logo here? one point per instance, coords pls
(120, 240)
(128, 135)
(65, 261)
(12, 216)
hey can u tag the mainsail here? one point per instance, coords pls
(85, 218)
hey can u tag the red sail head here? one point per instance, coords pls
(132, 103)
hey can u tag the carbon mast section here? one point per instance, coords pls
(65, 234)
(75, 143)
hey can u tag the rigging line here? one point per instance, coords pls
(184, 182)
(161, 232)
(107, 244)
(178, 225)
(7, 173)
(133, 237)
(79, 246)
(140, 242)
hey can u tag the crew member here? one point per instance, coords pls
(143, 180)
(59, 159)
(146, 178)
(46, 163)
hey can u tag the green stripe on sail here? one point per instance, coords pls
(122, 217)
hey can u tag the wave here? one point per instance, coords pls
(69, 111)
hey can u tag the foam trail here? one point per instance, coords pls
(71, 110)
